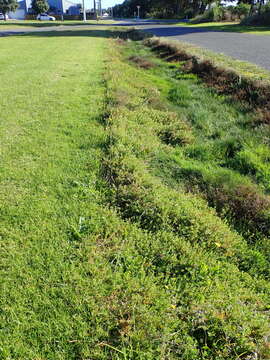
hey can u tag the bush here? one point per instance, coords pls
(263, 19)
(215, 13)
(220, 13)
(260, 16)
(242, 10)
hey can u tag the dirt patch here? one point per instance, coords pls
(142, 62)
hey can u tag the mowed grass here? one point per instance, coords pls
(229, 26)
(110, 247)
(51, 98)
(19, 24)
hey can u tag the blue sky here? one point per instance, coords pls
(89, 3)
(105, 3)
(108, 3)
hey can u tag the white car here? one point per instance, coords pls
(45, 17)
(2, 16)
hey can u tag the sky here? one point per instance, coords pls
(105, 3)
(109, 3)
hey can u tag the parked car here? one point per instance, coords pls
(45, 17)
(2, 16)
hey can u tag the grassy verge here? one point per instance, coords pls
(108, 251)
(251, 88)
(229, 26)
(148, 148)
(242, 68)
(247, 129)
(12, 24)
(50, 150)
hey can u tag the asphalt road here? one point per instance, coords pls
(246, 47)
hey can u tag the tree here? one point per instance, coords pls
(163, 8)
(8, 5)
(95, 9)
(40, 6)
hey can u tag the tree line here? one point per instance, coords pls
(179, 8)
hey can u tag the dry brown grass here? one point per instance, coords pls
(142, 62)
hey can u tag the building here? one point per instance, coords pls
(57, 7)
(21, 11)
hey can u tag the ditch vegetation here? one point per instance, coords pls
(188, 165)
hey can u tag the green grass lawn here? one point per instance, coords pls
(13, 24)
(110, 245)
(230, 26)
(50, 151)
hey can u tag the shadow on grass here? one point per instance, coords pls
(113, 33)
(118, 31)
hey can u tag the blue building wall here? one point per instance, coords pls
(59, 6)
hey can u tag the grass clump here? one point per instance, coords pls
(174, 131)
(234, 196)
(254, 161)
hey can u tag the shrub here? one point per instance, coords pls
(258, 19)
(242, 10)
(215, 13)
(220, 13)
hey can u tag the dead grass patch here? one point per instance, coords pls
(142, 62)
